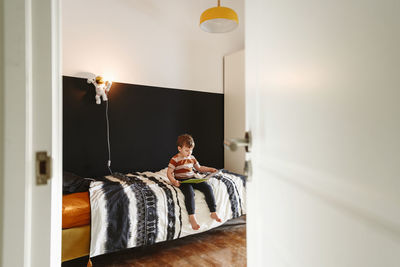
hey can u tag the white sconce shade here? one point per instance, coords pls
(219, 19)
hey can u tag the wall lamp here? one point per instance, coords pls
(102, 88)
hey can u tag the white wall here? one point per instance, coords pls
(147, 42)
(234, 108)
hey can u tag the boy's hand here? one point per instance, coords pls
(176, 183)
(213, 170)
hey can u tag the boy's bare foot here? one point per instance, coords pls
(214, 215)
(193, 222)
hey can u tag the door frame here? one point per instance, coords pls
(30, 232)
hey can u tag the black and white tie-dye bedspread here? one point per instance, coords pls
(138, 209)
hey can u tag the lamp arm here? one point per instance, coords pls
(91, 80)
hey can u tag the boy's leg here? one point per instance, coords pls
(188, 192)
(206, 189)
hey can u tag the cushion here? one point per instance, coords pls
(73, 183)
(75, 210)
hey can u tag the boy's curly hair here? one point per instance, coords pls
(185, 140)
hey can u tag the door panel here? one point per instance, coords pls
(46, 131)
(322, 98)
(31, 223)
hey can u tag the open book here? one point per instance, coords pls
(199, 180)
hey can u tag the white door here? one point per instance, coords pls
(323, 103)
(31, 213)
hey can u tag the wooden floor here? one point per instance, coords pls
(223, 246)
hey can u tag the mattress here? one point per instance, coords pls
(140, 209)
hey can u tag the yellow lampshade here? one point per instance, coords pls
(219, 19)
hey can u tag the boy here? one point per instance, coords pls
(180, 168)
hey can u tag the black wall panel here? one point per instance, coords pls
(144, 124)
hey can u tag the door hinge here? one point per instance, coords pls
(43, 167)
(248, 170)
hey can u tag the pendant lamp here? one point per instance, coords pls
(219, 19)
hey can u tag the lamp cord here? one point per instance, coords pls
(108, 140)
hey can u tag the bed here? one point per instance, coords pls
(143, 208)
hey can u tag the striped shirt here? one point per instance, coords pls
(183, 166)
